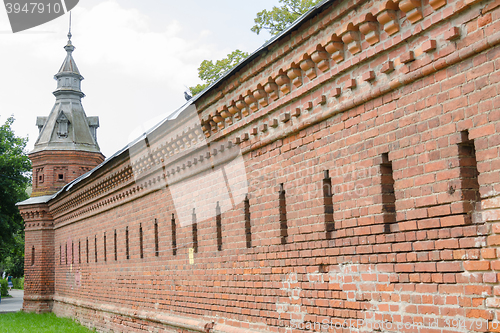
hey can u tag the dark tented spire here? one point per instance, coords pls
(69, 77)
(67, 127)
(69, 65)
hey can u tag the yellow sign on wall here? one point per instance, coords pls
(191, 256)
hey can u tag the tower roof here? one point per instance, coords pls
(67, 127)
(68, 77)
(69, 64)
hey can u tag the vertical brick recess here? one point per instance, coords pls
(469, 185)
(174, 235)
(127, 244)
(218, 222)
(388, 195)
(282, 215)
(248, 223)
(104, 247)
(194, 232)
(141, 241)
(328, 204)
(157, 249)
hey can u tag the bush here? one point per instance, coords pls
(4, 287)
(18, 283)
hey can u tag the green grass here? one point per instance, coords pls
(21, 322)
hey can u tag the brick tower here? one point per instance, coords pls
(67, 145)
(65, 149)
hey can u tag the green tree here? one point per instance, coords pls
(210, 72)
(14, 179)
(275, 21)
(279, 18)
(13, 263)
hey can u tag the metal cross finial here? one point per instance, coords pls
(69, 33)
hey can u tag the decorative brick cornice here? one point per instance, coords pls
(362, 40)
(370, 28)
(36, 217)
(412, 9)
(150, 172)
(449, 60)
(92, 191)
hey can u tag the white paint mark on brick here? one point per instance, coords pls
(292, 306)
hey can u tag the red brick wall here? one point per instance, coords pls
(49, 165)
(410, 143)
(39, 258)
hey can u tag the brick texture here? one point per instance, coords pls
(54, 169)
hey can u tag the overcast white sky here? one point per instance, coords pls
(137, 56)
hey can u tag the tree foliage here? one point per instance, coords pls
(279, 18)
(13, 262)
(14, 179)
(210, 72)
